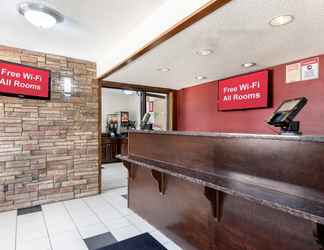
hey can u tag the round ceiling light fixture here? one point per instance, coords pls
(281, 20)
(199, 78)
(204, 52)
(248, 65)
(128, 92)
(163, 69)
(40, 15)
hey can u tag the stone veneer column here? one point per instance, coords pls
(49, 149)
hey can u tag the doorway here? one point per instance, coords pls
(122, 107)
(157, 107)
(120, 111)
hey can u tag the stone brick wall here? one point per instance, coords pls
(49, 149)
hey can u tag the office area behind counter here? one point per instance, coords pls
(125, 110)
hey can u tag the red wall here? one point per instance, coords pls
(197, 107)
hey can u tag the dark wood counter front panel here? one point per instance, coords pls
(229, 192)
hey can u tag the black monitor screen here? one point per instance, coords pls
(287, 111)
(288, 105)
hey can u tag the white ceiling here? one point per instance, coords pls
(89, 26)
(104, 31)
(237, 33)
(108, 31)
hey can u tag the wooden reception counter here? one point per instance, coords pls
(229, 191)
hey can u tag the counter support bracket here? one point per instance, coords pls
(131, 169)
(319, 234)
(160, 178)
(215, 198)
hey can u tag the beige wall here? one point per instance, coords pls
(49, 149)
(114, 100)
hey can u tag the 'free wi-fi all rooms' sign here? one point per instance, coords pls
(24, 81)
(244, 92)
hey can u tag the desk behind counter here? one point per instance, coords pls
(229, 191)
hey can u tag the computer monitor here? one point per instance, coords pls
(285, 113)
(144, 122)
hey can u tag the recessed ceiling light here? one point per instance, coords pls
(128, 92)
(40, 15)
(248, 65)
(281, 20)
(201, 77)
(204, 52)
(163, 69)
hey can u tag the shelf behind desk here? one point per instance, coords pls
(112, 146)
(229, 191)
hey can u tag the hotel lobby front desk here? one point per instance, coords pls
(229, 191)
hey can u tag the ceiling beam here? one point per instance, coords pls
(134, 87)
(205, 10)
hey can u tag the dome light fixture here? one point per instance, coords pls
(281, 20)
(248, 65)
(128, 92)
(204, 52)
(163, 69)
(40, 15)
(199, 78)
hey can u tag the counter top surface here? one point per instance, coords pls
(295, 200)
(306, 138)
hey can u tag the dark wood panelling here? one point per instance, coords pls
(179, 217)
(274, 159)
(112, 146)
(230, 192)
(123, 146)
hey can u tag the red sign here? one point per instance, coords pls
(151, 106)
(24, 81)
(244, 92)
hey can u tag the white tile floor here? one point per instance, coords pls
(114, 175)
(64, 225)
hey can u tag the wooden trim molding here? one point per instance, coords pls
(171, 111)
(134, 87)
(99, 134)
(205, 10)
(155, 95)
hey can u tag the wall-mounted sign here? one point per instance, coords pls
(24, 81)
(244, 92)
(293, 73)
(310, 69)
(151, 106)
(303, 71)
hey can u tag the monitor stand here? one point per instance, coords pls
(291, 129)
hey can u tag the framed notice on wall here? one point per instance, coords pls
(310, 69)
(304, 70)
(244, 92)
(24, 81)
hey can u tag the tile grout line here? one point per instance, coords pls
(95, 214)
(122, 216)
(48, 235)
(134, 224)
(67, 210)
(125, 216)
(16, 227)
